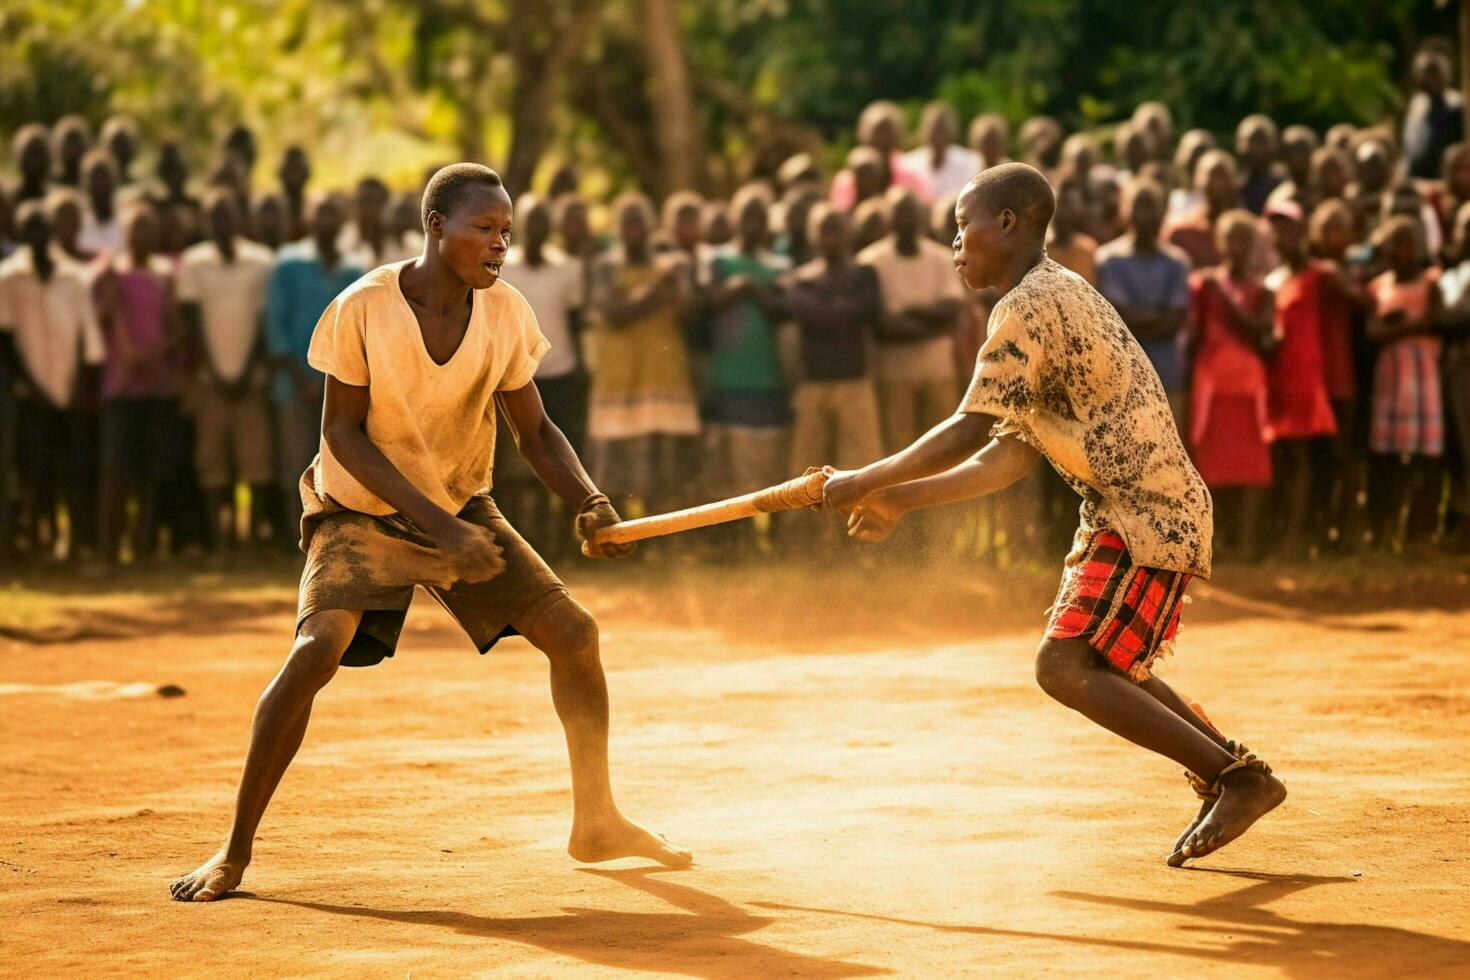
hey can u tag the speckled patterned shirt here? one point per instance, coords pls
(1062, 372)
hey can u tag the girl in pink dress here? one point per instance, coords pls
(1407, 432)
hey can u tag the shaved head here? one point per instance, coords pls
(1016, 187)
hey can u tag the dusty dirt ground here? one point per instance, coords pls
(869, 778)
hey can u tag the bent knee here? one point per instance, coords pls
(565, 629)
(320, 643)
(1063, 668)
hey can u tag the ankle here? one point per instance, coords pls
(595, 820)
(237, 854)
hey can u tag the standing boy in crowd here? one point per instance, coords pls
(553, 285)
(1147, 281)
(46, 306)
(922, 302)
(750, 416)
(221, 293)
(836, 305)
(141, 436)
(309, 276)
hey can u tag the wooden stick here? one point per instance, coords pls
(804, 491)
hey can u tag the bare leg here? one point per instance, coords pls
(1182, 707)
(275, 735)
(1295, 468)
(1427, 495)
(1252, 502)
(567, 634)
(1077, 676)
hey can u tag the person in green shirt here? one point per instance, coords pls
(750, 416)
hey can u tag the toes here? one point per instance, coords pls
(1176, 860)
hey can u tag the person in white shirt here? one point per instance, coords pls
(102, 230)
(553, 284)
(56, 349)
(917, 382)
(221, 294)
(369, 240)
(941, 163)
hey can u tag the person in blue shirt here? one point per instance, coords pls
(308, 276)
(1147, 281)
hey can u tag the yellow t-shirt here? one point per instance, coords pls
(434, 422)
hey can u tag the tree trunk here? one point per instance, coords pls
(541, 61)
(1465, 60)
(671, 97)
(530, 109)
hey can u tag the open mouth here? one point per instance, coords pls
(493, 267)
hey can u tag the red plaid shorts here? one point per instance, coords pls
(1128, 613)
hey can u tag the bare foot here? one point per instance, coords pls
(619, 838)
(1177, 857)
(213, 879)
(1246, 796)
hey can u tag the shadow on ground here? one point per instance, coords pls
(705, 938)
(1237, 928)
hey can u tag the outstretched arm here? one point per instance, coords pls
(942, 447)
(1001, 463)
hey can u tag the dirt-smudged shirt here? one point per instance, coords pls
(434, 422)
(1062, 372)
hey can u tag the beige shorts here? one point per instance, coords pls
(357, 561)
(836, 423)
(742, 458)
(232, 438)
(911, 408)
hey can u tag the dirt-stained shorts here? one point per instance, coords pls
(357, 561)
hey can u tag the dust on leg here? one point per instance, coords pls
(567, 634)
(275, 735)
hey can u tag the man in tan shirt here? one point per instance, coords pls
(1061, 377)
(418, 356)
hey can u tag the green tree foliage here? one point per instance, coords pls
(394, 84)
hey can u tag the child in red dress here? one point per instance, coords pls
(1300, 412)
(1231, 320)
(1344, 304)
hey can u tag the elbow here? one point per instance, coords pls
(534, 442)
(338, 436)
